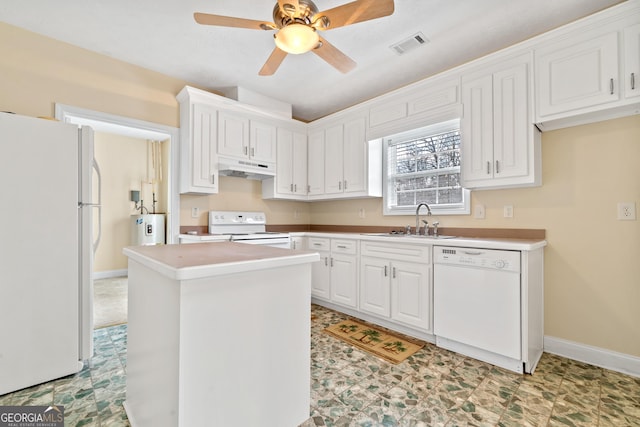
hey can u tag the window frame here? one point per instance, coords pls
(463, 208)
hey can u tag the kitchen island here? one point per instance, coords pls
(218, 335)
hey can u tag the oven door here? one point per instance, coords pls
(277, 242)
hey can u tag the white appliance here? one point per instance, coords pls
(246, 227)
(46, 249)
(250, 169)
(147, 229)
(477, 304)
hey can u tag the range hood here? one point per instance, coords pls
(249, 169)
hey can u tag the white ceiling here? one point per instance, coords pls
(162, 35)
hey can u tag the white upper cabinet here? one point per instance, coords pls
(240, 137)
(500, 144)
(262, 141)
(315, 164)
(290, 181)
(590, 73)
(342, 163)
(577, 74)
(198, 135)
(631, 73)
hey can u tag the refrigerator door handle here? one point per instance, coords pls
(96, 167)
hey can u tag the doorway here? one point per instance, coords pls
(137, 130)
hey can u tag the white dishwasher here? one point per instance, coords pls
(477, 304)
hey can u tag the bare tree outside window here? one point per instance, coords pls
(424, 169)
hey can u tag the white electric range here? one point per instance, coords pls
(246, 227)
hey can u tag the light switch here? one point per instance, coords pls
(508, 211)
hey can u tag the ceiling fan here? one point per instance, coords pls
(297, 23)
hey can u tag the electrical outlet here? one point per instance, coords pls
(478, 212)
(195, 212)
(626, 211)
(361, 213)
(508, 211)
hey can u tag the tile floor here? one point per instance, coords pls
(434, 387)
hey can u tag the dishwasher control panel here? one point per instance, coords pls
(479, 258)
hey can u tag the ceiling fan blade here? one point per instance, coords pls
(334, 57)
(357, 11)
(274, 61)
(230, 21)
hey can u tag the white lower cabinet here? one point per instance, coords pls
(395, 283)
(335, 277)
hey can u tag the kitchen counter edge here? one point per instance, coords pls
(467, 242)
(200, 260)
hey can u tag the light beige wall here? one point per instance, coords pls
(123, 166)
(243, 194)
(38, 72)
(592, 271)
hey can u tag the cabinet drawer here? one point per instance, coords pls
(344, 246)
(319, 244)
(398, 251)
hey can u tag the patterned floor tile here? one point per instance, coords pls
(350, 388)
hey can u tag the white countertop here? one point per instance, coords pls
(199, 260)
(467, 242)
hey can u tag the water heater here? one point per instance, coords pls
(147, 229)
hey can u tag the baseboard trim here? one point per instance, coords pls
(109, 274)
(619, 362)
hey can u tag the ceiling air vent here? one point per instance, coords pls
(411, 43)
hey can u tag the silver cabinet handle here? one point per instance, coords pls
(308, 189)
(385, 271)
(326, 261)
(488, 168)
(295, 188)
(245, 150)
(342, 246)
(633, 81)
(497, 166)
(317, 244)
(611, 85)
(339, 185)
(345, 184)
(332, 262)
(253, 152)
(291, 188)
(213, 178)
(393, 272)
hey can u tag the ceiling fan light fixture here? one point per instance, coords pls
(297, 38)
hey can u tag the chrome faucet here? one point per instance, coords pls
(418, 217)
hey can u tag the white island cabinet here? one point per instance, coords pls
(218, 335)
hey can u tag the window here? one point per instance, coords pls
(423, 166)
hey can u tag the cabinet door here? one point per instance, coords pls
(334, 160)
(204, 161)
(632, 61)
(321, 277)
(262, 145)
(299, 163)
(355, 154)
(233, 135)
(511, 122)
(577, 75)
(344, 279)
(375, 286)
(411, 294)
(284, 172)
(315, 163)
(477, 129)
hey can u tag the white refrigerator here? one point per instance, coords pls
(47, 244)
